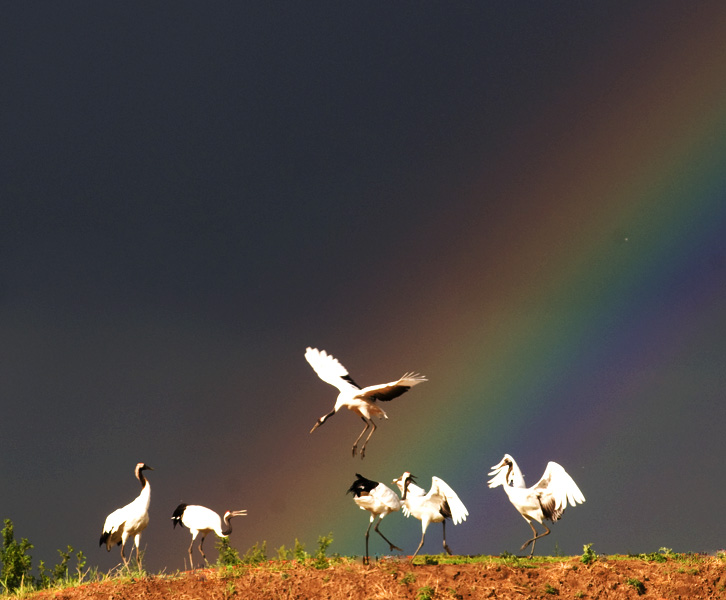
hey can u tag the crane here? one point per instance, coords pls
(379, 500)
(200, 519)
(130, 520)
(362, 401)
(435, 506)
(547, 499)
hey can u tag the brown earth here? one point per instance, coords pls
(612, 577)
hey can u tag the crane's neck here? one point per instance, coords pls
(145, 495)
(227, 529)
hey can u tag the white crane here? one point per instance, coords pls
(200, 519)
(439, 504)
(379, 500)
(130, 520)
(362, 401)
(547, 499)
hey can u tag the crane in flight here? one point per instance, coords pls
(546, 499)
(361, 401)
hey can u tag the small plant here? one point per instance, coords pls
(255, 555)
(299, 551)
(16, 562)
(283, 553)
(60, 571)
(228, 556)
(321, 560)
(549, 589)
(425, 593)
(637, 584)
(579, 594)
(408, 578)
(588, 554)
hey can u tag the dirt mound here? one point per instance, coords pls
(613, 577)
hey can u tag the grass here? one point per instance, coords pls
(288, 560)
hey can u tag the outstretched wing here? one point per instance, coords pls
(330, 370)
(389, 391)
(456, 507)
(555, 489)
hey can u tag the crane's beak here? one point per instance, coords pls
(322, 420)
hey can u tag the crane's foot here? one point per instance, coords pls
(395, 548)
(448, 550)
(355, 448)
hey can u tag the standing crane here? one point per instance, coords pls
(362, 401)
(435, 506)
(200, 519)
(379, 500)
(547, 499)
(130, 520)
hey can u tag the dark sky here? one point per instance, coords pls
(192, 193)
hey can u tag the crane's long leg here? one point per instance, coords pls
(391, 545)
(204, 556)
(535, 538)
(191, 558)
(365, 558)
(355, 444)
(446, 546)
(423, 535)
(363, 447)
(124, 537)
(424, 525)
(137, 542)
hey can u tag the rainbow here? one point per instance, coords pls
(553, 322)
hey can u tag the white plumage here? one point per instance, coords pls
(130, 520)
(362, 401)
(379, 500)
(202, 520)
(547, 499)
(435, 506)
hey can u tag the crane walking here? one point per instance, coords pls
(202, 520)
(435, 506)
(547, 499)
(379, 500)
(362, 401)
(130, 520)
